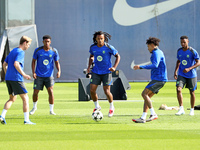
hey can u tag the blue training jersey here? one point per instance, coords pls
(17, 54)
(45, 61)
(187, 59)
(102, 58)
(158, 66)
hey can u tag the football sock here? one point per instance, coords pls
(144, 115)
(152, 111)
(51, 107)
(181, 107)
(111, 106)
(96, 104)
(3, 114)
(26, 116)
(34, 104)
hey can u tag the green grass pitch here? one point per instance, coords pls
(73, 128)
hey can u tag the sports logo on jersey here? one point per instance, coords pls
(184, 62)
(45, 62)
(99, 58)
(188, 56)
(103, 52)
(50, 55)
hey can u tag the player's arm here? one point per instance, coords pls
(57, 64)
(33, 68)
(192, 67)
(176, 69)
(117, 60)
(5, 65)
(155, 60)
(19, 69)
(91, 59)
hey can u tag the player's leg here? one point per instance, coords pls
(179, 86)
(49, 82)
(38, 85)
(25, 100)
(7, 106)
(94, 82)
(51, 100)
(192, 86)
(107, 82)
(35, 99)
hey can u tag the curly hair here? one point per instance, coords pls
(106, 36)
(153, 40)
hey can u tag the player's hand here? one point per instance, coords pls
(186, 70)
(27, 77)
(175, 76)
(35, 76)
(58, 74)
(112, 69)
(136, 67)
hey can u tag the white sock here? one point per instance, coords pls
(111, 106)
(26, 116)
(192, 109)
(3, 114)
(181, 107)
(34, 104)
(152, 111)
(96, 104)
(51, 107)
(144, 115)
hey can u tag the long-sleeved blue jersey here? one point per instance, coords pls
(158, 66)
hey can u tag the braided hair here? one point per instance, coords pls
(106, 36)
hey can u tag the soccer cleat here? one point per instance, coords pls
(52, 113)
(191, 112)
(111, 112)
(180, 112)
(152, 117)
(3, 121)
(97, 109)
(33, 111)
(29, 122)
(140, 120)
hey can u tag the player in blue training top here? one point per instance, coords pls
(185, 73)
(100, 54)
(43, 74)
(13, 67)
(158, 78)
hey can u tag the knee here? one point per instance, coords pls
(92, 91)
(178, 89)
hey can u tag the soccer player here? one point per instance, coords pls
(45, 56)
(13, 67)
(187, 61)
(100, 54)
(158, 78)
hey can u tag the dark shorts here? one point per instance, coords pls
(105, 78)
(16, 87)
(155, 86)
(40, 82)
(190, 83)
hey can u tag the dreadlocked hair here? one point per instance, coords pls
(153, 40)
(106, 36)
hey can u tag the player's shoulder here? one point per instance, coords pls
(54, 49)
(109, 46)
(38, 49)
(93, 45)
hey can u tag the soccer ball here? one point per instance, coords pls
(97, 115)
